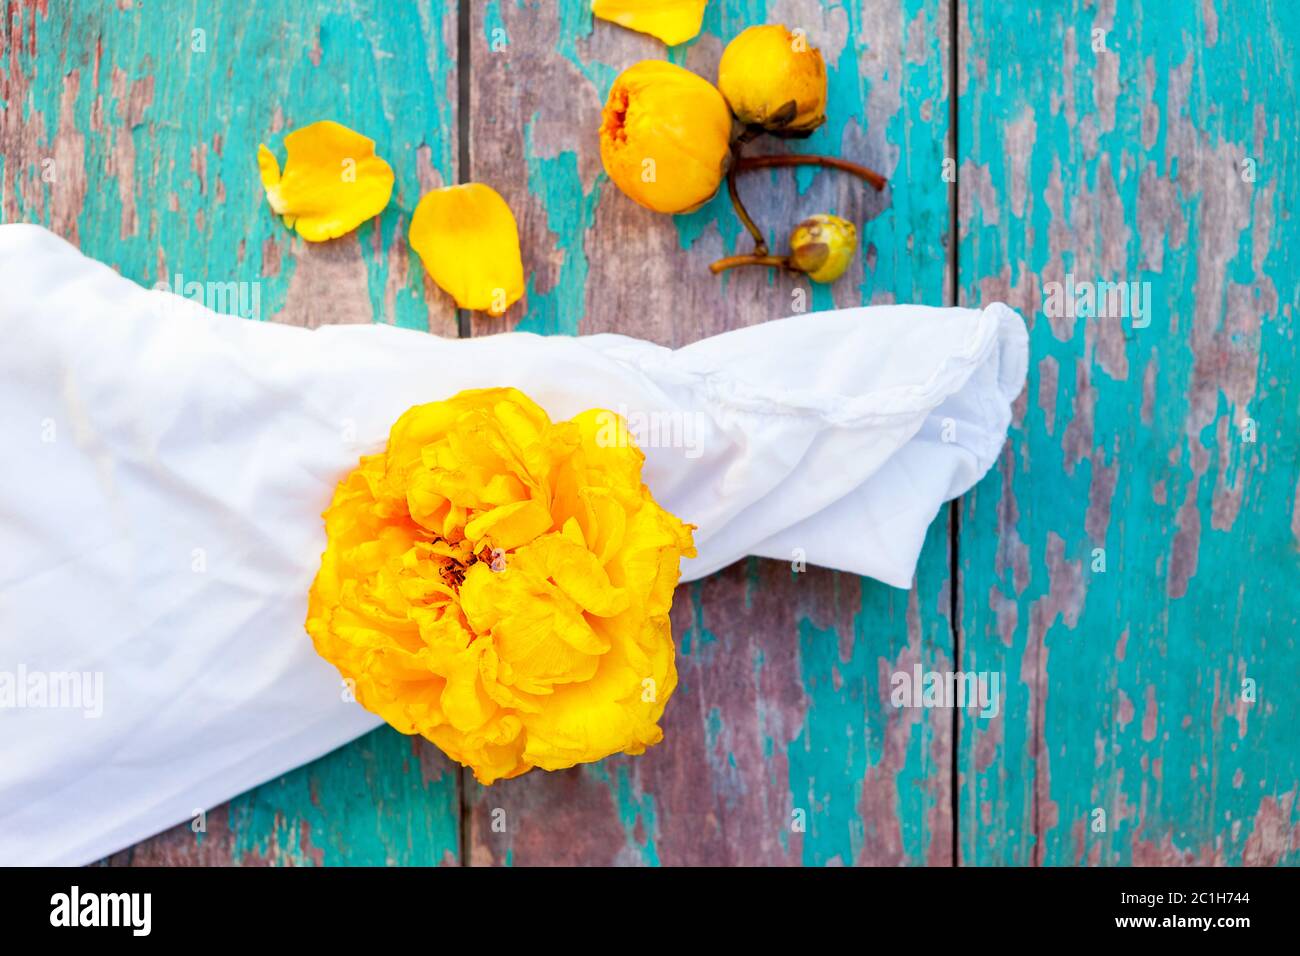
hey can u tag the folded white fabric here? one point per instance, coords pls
(165, 469)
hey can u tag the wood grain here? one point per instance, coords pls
(784, 697)
(133, 132)
(1156, 143)
(1124, 161)
(121, 135)
(383, 800)
(599, 262)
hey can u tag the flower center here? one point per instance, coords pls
(452, 568)
(615, 117)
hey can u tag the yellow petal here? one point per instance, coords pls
(268, 167)
(578, 573)
(510, 526)
(468, 240)
(616, 710)
(464, 700)
(542, 638)
(546, 646)
(332, 180)
(673, 21)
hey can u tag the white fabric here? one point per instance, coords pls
(165, 468)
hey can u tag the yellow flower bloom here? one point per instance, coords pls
(501, 584)
(774, 79)
(673, 21)
(468, 240)
(665, 136)
(332, 180)
(823, 246)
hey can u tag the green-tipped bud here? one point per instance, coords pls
(823, 246)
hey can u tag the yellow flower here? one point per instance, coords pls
(823, 246)
(665, 136)
(468, 240)
(332, 180)
(501, 584)
(673, 21)
(774, 79)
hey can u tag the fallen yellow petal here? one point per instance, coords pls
(673, 21)
(468, 240)
(332, 180)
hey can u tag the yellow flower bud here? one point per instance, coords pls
(665, 136)
(774, 79)
(823, 246)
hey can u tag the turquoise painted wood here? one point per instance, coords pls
(127, 131)
(781, 746)
(132, 130)
(1153, 143)
(384, 800)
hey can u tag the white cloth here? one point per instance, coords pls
(165, 468)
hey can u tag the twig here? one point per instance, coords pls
(746, 163)
(760, 241)
(730, 262)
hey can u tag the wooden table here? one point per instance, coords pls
(1128, 565)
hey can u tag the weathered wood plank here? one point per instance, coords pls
(599, 262)
(1124, 164)
(781, 716)
(148, 122)
(784, 696)
(133, 135)
(1153, 143)
(384, 800)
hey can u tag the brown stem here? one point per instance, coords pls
(730, 262)
(760, 242)
(747, 163)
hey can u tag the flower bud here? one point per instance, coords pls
(665, 136)
(823, 246)
(774, 79)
